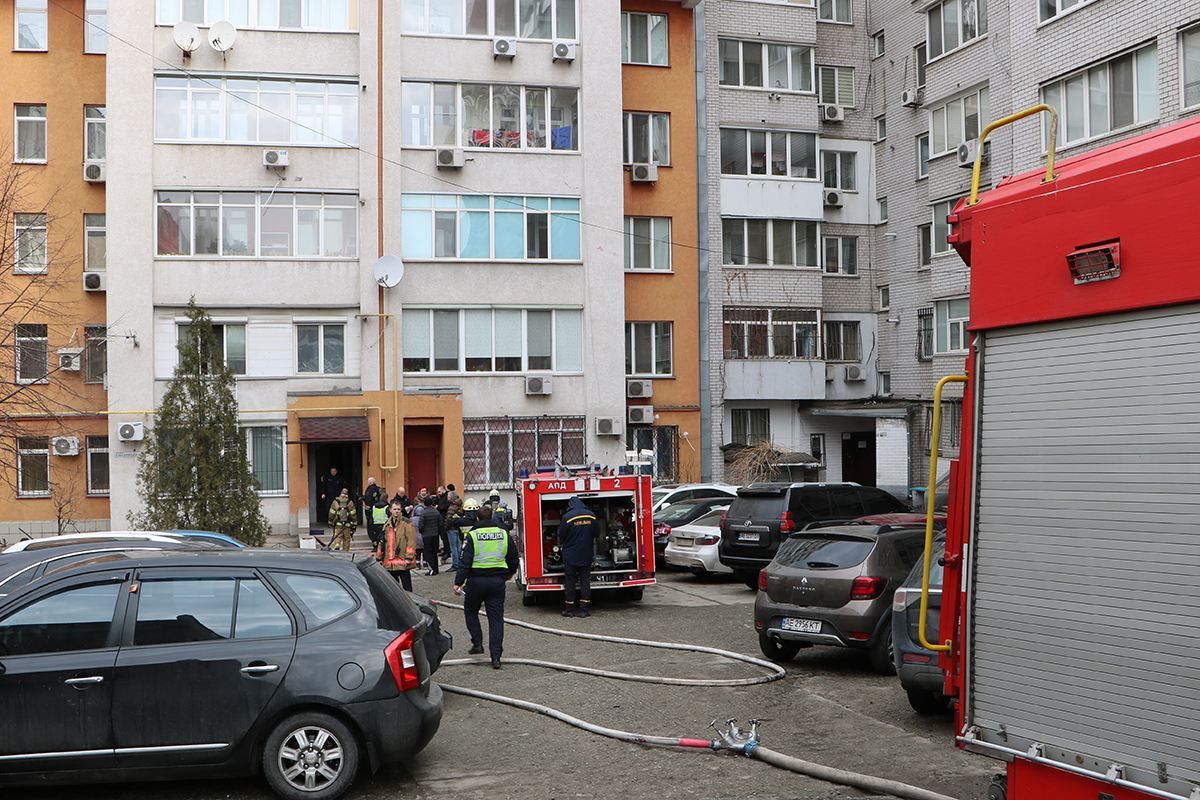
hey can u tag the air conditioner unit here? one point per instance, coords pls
(131, 431)
(856, 373)
(968, 150)
(609, 426)
(451, 158)
(833, 198)
(538, 384)
(95, 172)
(65, 445)
(641, 415)
(639, 388)
(910, 98)
(644, 173)
(564, 51)
(70, 359)
(94, 281)
(504, 47)
(275, 158)
(832, 113)
(829, 368)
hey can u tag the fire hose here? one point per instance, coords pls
(729, 739)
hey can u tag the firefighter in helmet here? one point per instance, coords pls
(500, 511)
(577, 538)
(489, 558)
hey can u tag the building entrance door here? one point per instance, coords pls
(346, 457)
(858, 457)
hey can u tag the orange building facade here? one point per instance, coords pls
(661, 258)
(54, 468)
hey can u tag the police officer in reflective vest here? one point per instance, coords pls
(489, 559)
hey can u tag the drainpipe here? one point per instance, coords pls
(702, 193)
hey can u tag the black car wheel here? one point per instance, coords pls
(699, 572)
(748, 578)
(880, 653)
(528, 598)
(310, 756)
(635, 594)
(927, 703)
(778, 650)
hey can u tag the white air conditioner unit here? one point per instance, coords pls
(910, 98)
(94, 281)
(95, 172)
(131, 431)
(833, 198)
(504, 47)
(856, 373)
(70, 359)
(968, 150)
(451, 158)
(275, 158)
(639, 388)
(538, 384)
(832, 113)
(829, 369)
(641, 415)
(564, 51)
(65, 445)
(644, 173)
(609, 426)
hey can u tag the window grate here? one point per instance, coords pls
(1093, 263)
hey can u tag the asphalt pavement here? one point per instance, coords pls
(830, 709)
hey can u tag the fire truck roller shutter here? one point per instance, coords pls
(1084, 601)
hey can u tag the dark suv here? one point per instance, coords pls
(833, 585)
(211, 663)
(764, 514)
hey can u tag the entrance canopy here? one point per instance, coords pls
(314, 430)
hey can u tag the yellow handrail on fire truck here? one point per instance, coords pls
(1051, 143)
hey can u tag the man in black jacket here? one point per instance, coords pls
(577, 537)
(430, 526)
(489, 559)
(371, 497)
(330, 486)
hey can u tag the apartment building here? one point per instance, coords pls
(54, 336)
(662, 260)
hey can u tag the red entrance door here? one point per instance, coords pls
(422, 457)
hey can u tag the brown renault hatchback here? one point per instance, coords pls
(833, 585)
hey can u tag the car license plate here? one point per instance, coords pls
(748, 536)
(683, 542)
(801, 625)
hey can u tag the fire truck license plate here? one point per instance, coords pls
(801, 625)
(748, 536)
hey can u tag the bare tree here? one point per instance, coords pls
(65, 494)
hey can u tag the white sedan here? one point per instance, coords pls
(694, 546)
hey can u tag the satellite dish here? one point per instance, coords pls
(221, 36)
(389, 271)
(187, 37)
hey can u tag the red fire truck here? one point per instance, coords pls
(1070, 620)
(624, 549)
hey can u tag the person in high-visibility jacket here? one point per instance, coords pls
(489, 558)
(397, 549)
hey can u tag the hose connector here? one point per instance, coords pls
(734, 739)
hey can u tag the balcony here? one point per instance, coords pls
(774, 379)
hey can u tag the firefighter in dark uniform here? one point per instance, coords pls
(577, 537)
(489, 558)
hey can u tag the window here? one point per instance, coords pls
(769, 242)
(268, 458)
(79, 618)
(924, 334)
(321, 348)
(1190, 44)
(941, 225)
(885, 383)
(231, 341)
(255, 111)
(774, 154)
(1108, 97)
(95, 26)
(493, 340)
(883, 209)
(97, 465)
(771, 333)
(647, 138)
(660, 440)
(202, 610)
(30, 134)
(778, 67)
(880, 128)
(648, 243)
(33, 466)
(322, 15)
(841, 255)
(885, 297)
(958, 121)
(952, 317)
(479, 115)
(643, 38)
(837, 86)
(1049, 9)
(95, 242)
(923, 155)
(839, 169)
(955, 23)
(877, 45)
(320, 599)
(816, 446)
(29, 234)
(496, 449)
(842, 341)
(95, 353)
(750, 425)
(951, 428)
(833, 11)
(648, 349)
(33, 31)
(485, 227)
(924, 245)
(93, 122)
(920, 59)
(257, 224)
(525, 19)
(33, 353)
